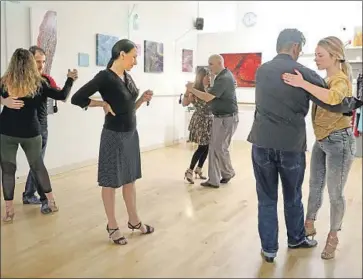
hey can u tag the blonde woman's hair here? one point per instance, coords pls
(335, 47)
(22, 77)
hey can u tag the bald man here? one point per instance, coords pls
(223, 103)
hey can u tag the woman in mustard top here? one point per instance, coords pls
(334, 148)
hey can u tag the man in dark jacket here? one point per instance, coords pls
(278, 136)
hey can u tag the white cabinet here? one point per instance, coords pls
(246, 115)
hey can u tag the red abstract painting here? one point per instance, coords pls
(243, 66)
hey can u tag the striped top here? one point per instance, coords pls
(326, 122)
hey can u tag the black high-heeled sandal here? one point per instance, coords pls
(149, 229)
(116, 238)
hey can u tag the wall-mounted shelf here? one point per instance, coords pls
(353, 48)
(308, 55)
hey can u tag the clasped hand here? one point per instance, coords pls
(72, 74)
(190, 86)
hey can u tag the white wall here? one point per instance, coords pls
(2, 58)
(73, 133)
(272, 18)
(315, 19)
(219, 16)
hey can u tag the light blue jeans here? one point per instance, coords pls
(331, 160)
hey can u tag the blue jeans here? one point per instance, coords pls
(32, 183)
(268, 164)
(331, 160)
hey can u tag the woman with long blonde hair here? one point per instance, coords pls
(22, 90)
(334, 148)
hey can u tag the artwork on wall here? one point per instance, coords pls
(187, 60)
(153, 57)
(83, 59)
(138, 47)
(43, 26)
(243, 66)
(104, 44)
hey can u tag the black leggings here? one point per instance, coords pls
(32, 149)
(199, 155)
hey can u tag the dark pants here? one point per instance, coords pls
(32, 183)
(268, 164)
(199, 156)
(32, 149)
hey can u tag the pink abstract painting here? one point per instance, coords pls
(44, 34)
(187, 60)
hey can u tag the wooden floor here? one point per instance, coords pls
(199, 232)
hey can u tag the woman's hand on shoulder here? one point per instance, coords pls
(293, 80)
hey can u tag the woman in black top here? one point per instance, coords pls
(119, 155)
(20, 126)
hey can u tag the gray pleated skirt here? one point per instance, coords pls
(119, 160)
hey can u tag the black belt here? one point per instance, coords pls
(225, 115)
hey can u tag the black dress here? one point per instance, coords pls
(119, 160)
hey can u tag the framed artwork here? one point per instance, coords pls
(243, 66)
(153, 57)
(187, 60)
(104, 44)
(43, 29)
(83, 59)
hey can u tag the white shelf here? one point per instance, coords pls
(353, 48)
(355, 61)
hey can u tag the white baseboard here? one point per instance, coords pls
(92, 162)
